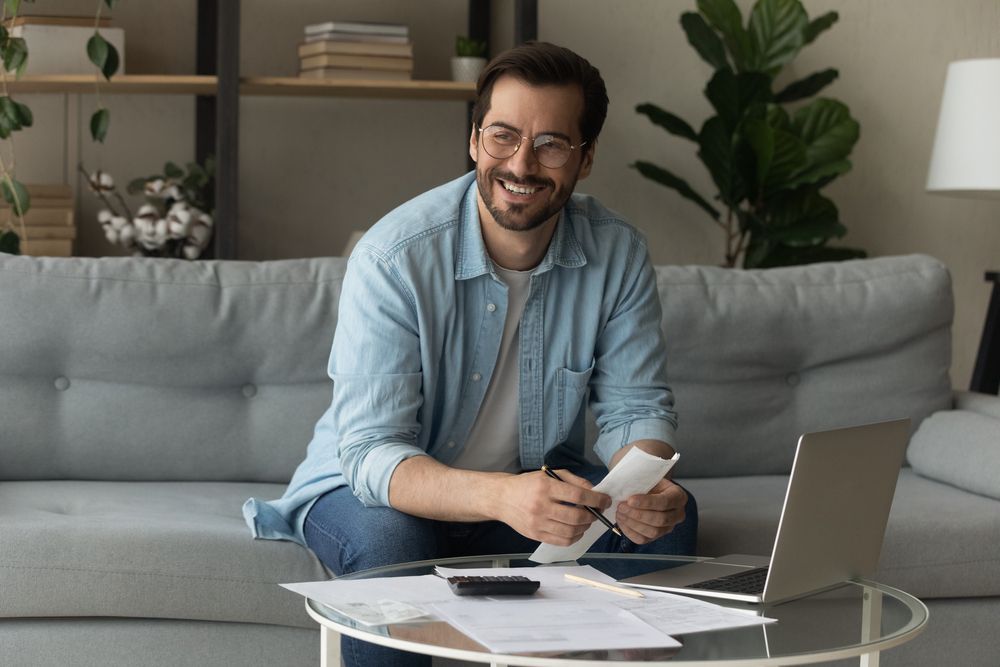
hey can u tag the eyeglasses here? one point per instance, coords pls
(550, 150)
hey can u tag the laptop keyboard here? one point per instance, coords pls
(748, 581)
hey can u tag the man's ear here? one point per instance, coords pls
(588, 160)
(474, 143)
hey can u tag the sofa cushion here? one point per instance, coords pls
(940, 542)
(147, 369)
(145, 550)
(959, 447)
(756, 358)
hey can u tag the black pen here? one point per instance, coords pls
(600, 517)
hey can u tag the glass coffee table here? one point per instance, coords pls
(858, 619)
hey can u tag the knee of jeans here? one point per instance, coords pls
(377, 536)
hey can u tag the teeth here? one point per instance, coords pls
(519, 190)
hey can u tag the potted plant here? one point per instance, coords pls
(469, 60)
(769, 163)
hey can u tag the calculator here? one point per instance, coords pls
(483, 585)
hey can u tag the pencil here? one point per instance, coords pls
(631, 592)
(600, 517)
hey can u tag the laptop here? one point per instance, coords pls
(831, 527)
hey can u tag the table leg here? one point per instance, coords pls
(329, 647)
(871, 624)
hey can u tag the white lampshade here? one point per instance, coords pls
(966, 156)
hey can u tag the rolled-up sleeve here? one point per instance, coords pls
(630, 397)
(375, 367)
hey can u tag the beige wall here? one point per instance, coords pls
(313, 170)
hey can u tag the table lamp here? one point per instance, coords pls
(965, 162)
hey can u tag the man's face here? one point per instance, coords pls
(519, 193)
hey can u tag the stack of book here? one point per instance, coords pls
(48, 224)
(356, 50)
(58, 44)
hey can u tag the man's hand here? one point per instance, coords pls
(646, 517)
(543, 509)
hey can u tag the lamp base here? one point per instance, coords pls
(986, 374)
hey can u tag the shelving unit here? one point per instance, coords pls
(260, 86)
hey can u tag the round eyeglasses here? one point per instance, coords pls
(550, 150)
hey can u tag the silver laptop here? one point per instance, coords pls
(831, 527)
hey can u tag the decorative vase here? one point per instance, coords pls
(466, 68)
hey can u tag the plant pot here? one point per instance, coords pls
(465, 68)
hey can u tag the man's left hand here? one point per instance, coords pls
(649, 516)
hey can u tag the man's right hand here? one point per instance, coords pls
(549, 510)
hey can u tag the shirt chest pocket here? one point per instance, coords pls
(571, 387)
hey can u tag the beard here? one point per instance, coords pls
(520, 217)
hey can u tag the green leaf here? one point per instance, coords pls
(15, 55)
(97, 50)
(827, 129)
(717, 151)
(11, 187)
(724, 16)
(777, 33)
(111, 3)
(820, 174)
(12, 6)
(760, 137)
(99, 124)
(664, 177)
(704, 40)
(803, 217)
(10, 243)
(807, 87)
(732, 95)
(820, 25)
(112, 62)
(135, 186)
(757, 251)
(6, 126)
(171, 170)
(667, 121)
(24, 114)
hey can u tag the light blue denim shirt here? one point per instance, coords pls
(418, 332)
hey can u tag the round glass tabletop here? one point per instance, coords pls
(854, 619)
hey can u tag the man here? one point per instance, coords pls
(473, 320)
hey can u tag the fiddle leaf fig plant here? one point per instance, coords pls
(769, 162)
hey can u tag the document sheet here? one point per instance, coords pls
(637, 472)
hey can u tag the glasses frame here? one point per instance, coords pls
(520, 142)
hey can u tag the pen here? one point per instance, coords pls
(631, 592)
(600, 517)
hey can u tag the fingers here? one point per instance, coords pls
(647, 517)
(575, 490)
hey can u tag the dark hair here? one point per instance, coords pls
(544, 64)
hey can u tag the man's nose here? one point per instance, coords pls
(524, 161)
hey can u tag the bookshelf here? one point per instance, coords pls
(260, 86)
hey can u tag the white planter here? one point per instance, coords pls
(464, 68)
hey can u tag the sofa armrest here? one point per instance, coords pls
(984, 404)
(961, 447)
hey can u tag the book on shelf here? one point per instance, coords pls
(47, 247)
(366, 48)
(357, 62)
(355, 74)
(359, 27)
(85, 21)
(48, 232)
(336, 36)
(62, 217)
(62, 49)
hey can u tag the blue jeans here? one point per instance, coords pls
(348, 537)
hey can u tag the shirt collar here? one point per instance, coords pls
(473, 260)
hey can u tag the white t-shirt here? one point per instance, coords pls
(494, 444)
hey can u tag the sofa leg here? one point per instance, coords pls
(329, 647)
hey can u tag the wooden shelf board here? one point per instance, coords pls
(260, 86)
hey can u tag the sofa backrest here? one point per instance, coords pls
(140, 369)
(757, 358)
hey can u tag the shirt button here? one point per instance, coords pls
(451, 443)
(491, 307)
(792, 379)
(476, 377)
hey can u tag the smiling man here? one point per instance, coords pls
(476, 323)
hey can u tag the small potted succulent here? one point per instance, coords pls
(469, 60)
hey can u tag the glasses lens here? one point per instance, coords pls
(551, 151)
(500, 142)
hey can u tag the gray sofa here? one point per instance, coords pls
(142, 401)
